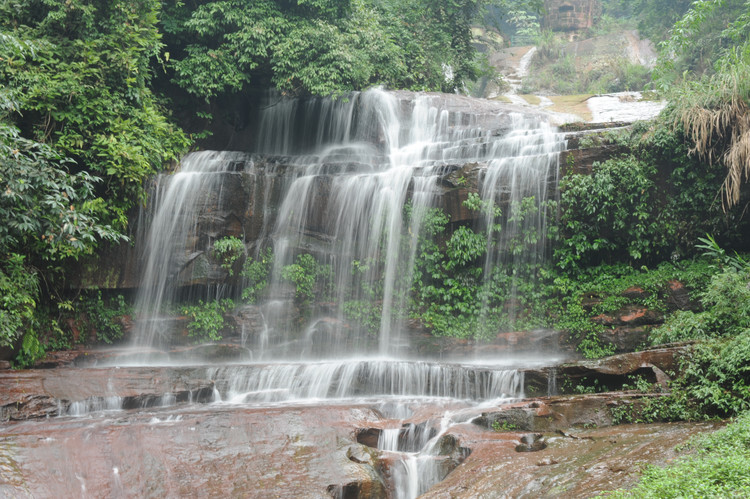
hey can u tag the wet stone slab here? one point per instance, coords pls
(579, 463)
(194, 452)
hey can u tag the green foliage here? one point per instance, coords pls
(715, 377)
(683, 326)
(85, 91)
(578, 323)
(103, 316)
(574, 299)
(563, 73)
(621, 414)
(453, 295)
(322, 48)
(583, 386)
(717, 467)
(29, 351)
(726, 311)
(608, 214)
(464, 247)
(365, 313)
(207, 319)
(229, 250)
(711, 249)
(504, 426)
(80, 131)
(638, 383)
(19, 292)
(255, 275)
(655, 18)
(305, 274)
(549, 47)
(712, 115)
(704, 40)
(48, 212)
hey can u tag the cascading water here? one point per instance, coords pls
(179, 201)
(326, 381)
(365, 160)
(352, 168)
(351, 183)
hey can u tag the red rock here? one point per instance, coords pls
(635, 293)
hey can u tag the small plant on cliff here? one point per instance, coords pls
(305, 272)
(229, 250)
(499, 426)
(207, 319)
(255, 274)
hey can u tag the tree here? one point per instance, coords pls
(80, 131)
(711, 43)
(85, 91)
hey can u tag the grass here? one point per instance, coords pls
(572, 104)
(503, 98)
(719, 467)
(533, 100)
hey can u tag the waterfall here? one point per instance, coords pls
(179, 202)
(345, 172)
(291, 382)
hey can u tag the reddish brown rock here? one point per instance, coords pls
(635, 293)
(225, 452)
(631, 315)
(678, 297)
(580, 463)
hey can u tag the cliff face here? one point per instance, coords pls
(245, 203)
(570, 15)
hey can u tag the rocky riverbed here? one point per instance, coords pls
(174, 431)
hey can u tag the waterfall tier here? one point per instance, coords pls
(353, 182)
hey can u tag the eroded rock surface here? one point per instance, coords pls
(577, 464)
(210, 452)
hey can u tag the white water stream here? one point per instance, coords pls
(355, 164)
(349, 170)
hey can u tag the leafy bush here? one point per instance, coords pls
(683, 325)
(48, 212)
(255, 274)
(207, 319)
(609, 214)
(305, 273)
(726, 303)
(364, 313)
(85, 92)
(325, 47)
(102, 315)
(229, 250)
(19, 292)
(715, 377)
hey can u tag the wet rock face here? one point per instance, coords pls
(46, 393)
(531, 442)
(578, 463)
(547, 446)
(223, 452)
